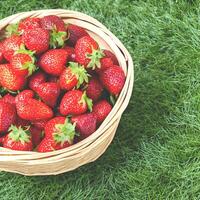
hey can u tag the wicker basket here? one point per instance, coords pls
(88, 150)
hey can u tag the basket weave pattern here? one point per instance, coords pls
(88, 150)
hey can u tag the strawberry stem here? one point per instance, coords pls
(80, 73)
(64, 132)
(87, 100)
(57, 38)
(12, 29)
(19, 134)
(95, 57)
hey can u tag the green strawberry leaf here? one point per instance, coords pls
(64, 132)
(12, 29)
(19, 134)
(113, 99)
(57, 38)
(88, 101)
(80, 73)
(95, 57)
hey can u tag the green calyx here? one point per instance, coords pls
(57, 38)
(80, 73)
(64, 132)
(19, 134)
(30, 66)
(95, 57)
(87, 100)
(12, 29)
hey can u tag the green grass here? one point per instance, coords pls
(156, 151)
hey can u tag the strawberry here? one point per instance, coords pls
(56, 25)
(85, 124)
(22, 122)
(36, 79)
(53, 61)
(59, 134)
(18, 139)
(49, 93)
(113, 79)
(23, 62)
(1, 52)
(109, 54)
(36, 135)
(36, 40)
(105, 64)
(40, 124)
(50, 127)
(10, 45)
(87, 52)
(2, 138)
(22, 96)
(75, 33)
(9, 79)
(53, 79)
(101, 109)
(74, 75)
(75, 102)
(51, 22)
(28, 24)
(71, 53)
(94, 89)
(7, 116)
(8, 98)
(31, 109)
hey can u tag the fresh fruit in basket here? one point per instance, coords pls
(56, 82)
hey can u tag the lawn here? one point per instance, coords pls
(156, 151)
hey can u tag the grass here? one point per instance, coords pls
(156, 151)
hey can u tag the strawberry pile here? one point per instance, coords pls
(57, 84)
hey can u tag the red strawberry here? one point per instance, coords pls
(36, 135)
(10, 45)
(23, 62)
(94, 89)
(53, 79)
(87, 52)
(40, 124)
(18, 139)
(101, 109)
(109, 54)
(51, 125)
(59, 134)
(85, 124)
(2, 138)
(36, 40)
(75, 33)
(71, 53)
(8, 98)
(31, 109)
(1, 52)
(49, 93)
(22, 96)
(75, 102)
(28, 24)
(57, 27)
(53, 61)
(7, 116)
(22, 122)
(9, 79)
(113, 79)
(36, 79)
(51, 22)
(74, 75)
(105, 64)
